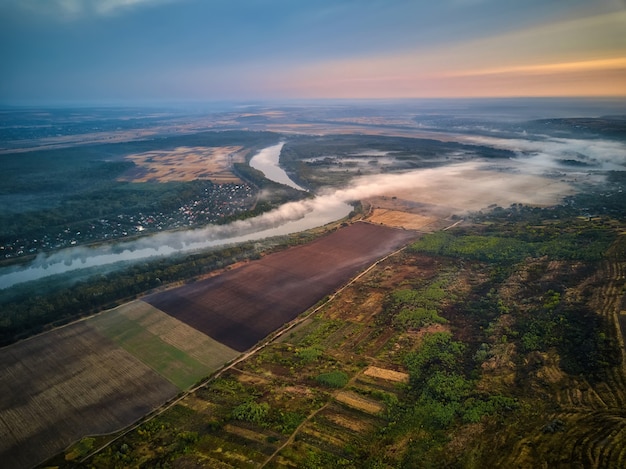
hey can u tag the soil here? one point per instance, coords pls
(244, 305)
(184, 164)
(60, 386)
(386, 374)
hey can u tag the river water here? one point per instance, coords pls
(266, 161)
(291, 217)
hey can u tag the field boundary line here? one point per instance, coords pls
(233, 363)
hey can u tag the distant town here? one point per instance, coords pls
(217, 203)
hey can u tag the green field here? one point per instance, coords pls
(174, 350)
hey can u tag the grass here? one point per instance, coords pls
(170, 362)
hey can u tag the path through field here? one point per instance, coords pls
(99, 375)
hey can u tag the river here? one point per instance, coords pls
(291, 217)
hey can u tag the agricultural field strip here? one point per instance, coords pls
(243, 357)
(169, 361)
(311, 416)
(400, 218)
(59, 386)
(197, 345)
(244, 305)
(382, 373)
(184, 164)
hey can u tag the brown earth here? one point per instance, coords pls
(400, 219)
(243, 306)
(60, 386)
(386, 374)
(184, 164)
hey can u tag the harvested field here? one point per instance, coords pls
(358, 402)
(184, 164)
(359, 425)
(389, 375)
(399, 219)
(57, 387)
(242, 306)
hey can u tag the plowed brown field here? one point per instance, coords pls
(242, 306)
(59, 386)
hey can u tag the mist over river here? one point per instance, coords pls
(289, 218)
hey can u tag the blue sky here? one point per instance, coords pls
(153, 50)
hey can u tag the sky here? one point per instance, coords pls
(184, 50)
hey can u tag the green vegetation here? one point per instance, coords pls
(307, 159)
(558, 240)
(488, 361)
(442, 391)
(333, 379)
(251, 411)
(414, 309)
(170, 362)
(80, 449)
(60, 197)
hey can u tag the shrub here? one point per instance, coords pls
(333, 379)
(251, 411)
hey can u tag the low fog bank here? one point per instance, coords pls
(562, 153)
(542, 173)
(289, 218)
(464, 186)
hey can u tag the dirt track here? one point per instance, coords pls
(242, 306)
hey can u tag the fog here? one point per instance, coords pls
(598, 154)
(290, 218)
(458, 188)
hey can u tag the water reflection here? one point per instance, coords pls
(290, 218)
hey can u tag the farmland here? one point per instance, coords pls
(241, 307)
(185, 164)
(96, 376)
(68, 383)
(145, 356)
(431, 358)
(493, 340)
(176, 351)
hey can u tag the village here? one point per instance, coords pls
(220, 203)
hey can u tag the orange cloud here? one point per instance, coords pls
(580, 57)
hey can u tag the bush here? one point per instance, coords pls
(309, 354)
(333, 379)
(251, 411)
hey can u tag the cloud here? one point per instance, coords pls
(75, 9)
(616, 63)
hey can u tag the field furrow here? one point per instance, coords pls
(72, 382)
